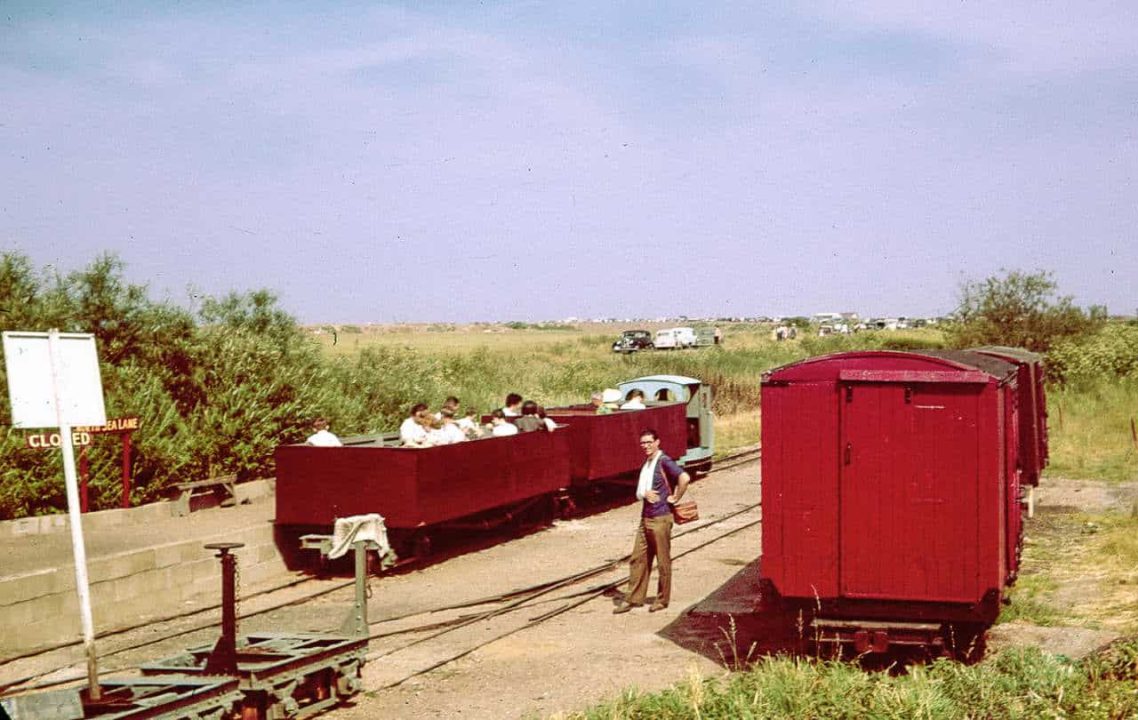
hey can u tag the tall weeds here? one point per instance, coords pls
(1016, 684)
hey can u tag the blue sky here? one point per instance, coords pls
(458, 161)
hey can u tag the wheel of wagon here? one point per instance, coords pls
(550, 510)
(566, 508)
(421, 544)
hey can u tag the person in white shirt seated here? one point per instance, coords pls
(470, 426)
(635, 401)
(446, 431)
(451, 403)
(550, 425)
(322, 437)
(501, 426)
(414, 430)
(513, 406)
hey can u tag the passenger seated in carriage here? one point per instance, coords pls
(451, 403)
(322, 437)
(529, 421)
(501, 426)
(470, 426)
(635, 401)
(446, 431)
(513, 406)
(606, 401)
(549, 424)
(414, 432)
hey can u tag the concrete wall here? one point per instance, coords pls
(108, 520)
(39, 608)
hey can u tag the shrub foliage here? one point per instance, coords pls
(1020, 310)
(216, 391)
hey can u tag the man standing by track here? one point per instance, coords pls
(654, 534)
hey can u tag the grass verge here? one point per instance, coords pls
(1015, 684)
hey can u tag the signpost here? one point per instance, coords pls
(54, 382)
(123, 427)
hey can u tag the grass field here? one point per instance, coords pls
(1092, 428)
(1090, 425)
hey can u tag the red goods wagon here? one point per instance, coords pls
(1031, 378)
(890, 497)
(605, 446)
(416, 487)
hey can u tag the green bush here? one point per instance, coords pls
(1112, 351)
(1019, 310)
(215, 393)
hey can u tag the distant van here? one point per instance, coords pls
(685, 336)
(674, 338)
(665, 340)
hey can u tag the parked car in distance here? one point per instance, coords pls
(632, 340)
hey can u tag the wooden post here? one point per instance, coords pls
(126, 469)
(1133, 433)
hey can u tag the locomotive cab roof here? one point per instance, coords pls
(680, 387)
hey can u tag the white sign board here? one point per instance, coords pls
(49, 368)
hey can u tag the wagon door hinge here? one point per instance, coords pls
(849, 393)
(849, 452)
(908, 394)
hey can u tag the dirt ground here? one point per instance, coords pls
(585, 654)
(588, 654)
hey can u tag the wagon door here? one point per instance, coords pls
(909, 485)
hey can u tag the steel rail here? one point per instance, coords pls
(590, 595)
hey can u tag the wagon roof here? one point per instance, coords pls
(992, 365)
(935, 360)
(1016, 353)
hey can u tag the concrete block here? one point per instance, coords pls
(204, 589)
(121, 565)
(265, 572)
(255, 490)
(207, 569)
(48, 632)
(168, 555)
(103, 520)
(28, 587)
(23, 526)
(40, 609)
(120, 589)
(266, 552)
(178, 553)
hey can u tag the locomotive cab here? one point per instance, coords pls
(697, 399)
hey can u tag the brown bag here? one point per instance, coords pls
(682, 512)
(685, 512)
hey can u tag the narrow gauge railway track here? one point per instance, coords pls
(533, 599)
(502, 604)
